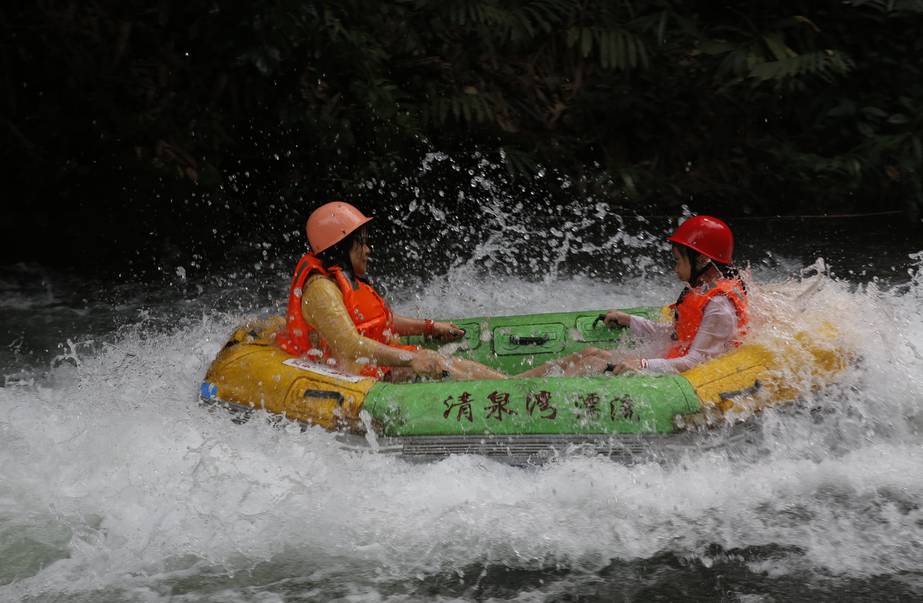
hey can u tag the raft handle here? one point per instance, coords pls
(533, 340)
(320, 393)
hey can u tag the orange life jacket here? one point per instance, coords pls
(368, 311)
(687, 314)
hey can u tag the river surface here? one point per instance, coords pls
(116, 486)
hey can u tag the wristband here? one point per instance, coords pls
(429, 328)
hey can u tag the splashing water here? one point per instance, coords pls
(115, 485)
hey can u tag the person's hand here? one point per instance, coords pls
(429, 363)
(616, 317)
(447, 331)
(627, 365)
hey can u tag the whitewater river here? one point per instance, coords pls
(116, 486)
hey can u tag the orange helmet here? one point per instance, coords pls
(331, 223)
(708, 235)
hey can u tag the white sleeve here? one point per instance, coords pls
(718, 329)
(644, 327)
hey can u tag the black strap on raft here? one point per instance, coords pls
(530, 340)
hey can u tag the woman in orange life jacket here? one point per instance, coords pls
(709, 317)
(335, 316)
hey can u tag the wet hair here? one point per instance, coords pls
(338, 254)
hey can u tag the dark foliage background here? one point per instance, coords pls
(133, 130)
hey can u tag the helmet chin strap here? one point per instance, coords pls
(697, 271)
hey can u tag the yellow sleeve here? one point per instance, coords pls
(322, 307)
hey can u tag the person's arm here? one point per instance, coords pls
(404, 325)
(718, 329)
(322, 306)
(645, 327)
(637, 324)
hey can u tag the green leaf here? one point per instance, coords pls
(642, 54)
(874, 112)
(806, 21)
(586, 42)
(661, 28)
(770, 70)
(898, 118)
(845, 108)
(777, 47)
(605, 49)
(855, 167)
(632, 52)
(715, 47)
(622, 55)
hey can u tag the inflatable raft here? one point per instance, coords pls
(518, 419)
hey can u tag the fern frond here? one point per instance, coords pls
(614, 48)
(825, 64)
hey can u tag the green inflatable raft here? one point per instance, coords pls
(516, 419)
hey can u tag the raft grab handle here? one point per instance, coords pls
(320, 393)
(533, 340)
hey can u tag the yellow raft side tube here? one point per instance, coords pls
(759, 375)
(250, 372)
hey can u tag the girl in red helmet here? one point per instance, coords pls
(709, 317)
(335, 316)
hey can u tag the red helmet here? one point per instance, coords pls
(331, 223)
(708, 235)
